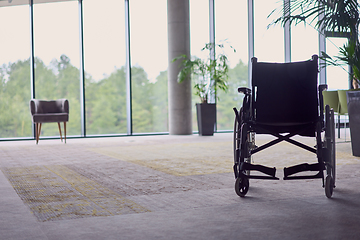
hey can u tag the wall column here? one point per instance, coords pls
(179, 94)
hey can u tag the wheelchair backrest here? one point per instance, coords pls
(285, 93)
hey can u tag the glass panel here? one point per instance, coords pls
(105, 84)
(269, 43)
(231, 26)
(15, 119)
(337, 76)
(199, 36)
(57, 59)
(149, 59)
(304, 42)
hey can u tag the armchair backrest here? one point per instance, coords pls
(54, 106)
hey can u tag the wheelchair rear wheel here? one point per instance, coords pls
(242, 140)
(237, 136)
(330, 158)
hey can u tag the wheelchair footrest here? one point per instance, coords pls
(261, 177)
(266, 170)
(302, 168)
(318, 175)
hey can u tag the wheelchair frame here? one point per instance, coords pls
(245, 128)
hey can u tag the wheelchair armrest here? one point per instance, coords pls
(322, 87)
(244, 90)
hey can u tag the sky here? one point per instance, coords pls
(56, 32)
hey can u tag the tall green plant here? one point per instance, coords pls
(348, 54)
(209, 74)
(330, 17)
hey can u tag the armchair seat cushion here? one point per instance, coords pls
(53, 117)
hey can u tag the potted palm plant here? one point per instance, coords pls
(349, 54)
(334, 18)
(209, 75)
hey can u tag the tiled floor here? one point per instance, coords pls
(168, 187)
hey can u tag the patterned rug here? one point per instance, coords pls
(181, 159)
(58, 193)
(188, 159)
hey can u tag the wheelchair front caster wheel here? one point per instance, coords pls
(241, 186)
(329, 186)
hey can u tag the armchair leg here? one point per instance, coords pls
(65, 131)
(60, 131)
(38, 131)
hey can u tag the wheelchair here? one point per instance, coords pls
(284, 101)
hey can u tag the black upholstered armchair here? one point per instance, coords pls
(43, 111)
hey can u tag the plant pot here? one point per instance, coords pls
(206, 118)
(353, 104)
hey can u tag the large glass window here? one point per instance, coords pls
(56, 31)
(199, 36)
(15, 119)
(149, 61)
(231, 28)
(105, 84)
(337, 76)
(56, 37)
(304, 42)
(269, 42)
